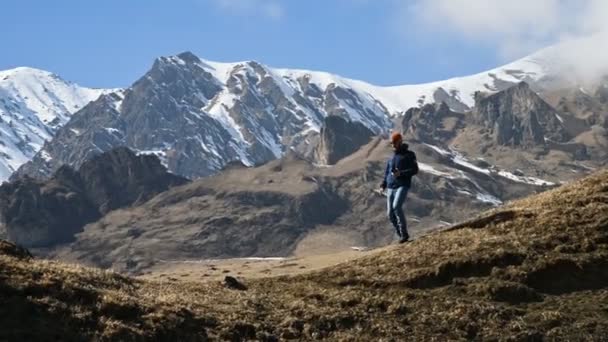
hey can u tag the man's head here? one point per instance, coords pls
(396, 140)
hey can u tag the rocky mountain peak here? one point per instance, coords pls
(180, 77)
(189, 57)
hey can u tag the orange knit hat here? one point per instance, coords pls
(396, 137)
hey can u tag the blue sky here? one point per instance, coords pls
(111, 43)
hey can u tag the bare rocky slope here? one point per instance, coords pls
(533, 270)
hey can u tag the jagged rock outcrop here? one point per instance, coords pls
(36, 213)
(432, 124)
(340, 138)
(518, 117)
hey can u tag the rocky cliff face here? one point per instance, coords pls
(37, 213)
(518, 117)
(340, 138)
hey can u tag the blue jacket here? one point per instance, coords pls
(403, 160)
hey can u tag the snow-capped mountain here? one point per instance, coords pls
(34, 104)
(199, 115)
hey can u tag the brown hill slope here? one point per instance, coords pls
(533, 270)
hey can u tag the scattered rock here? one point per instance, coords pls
(233, 283)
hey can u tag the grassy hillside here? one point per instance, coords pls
(532, 270)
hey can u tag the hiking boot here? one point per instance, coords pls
(404, 239)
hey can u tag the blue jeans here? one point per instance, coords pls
(395, 198)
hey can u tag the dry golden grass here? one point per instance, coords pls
(536, 269)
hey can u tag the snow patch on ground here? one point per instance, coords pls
(46, 156)
(113, 131)
(459, 159)
(426, 168)
(162, 156)
(487, 198)
(525, 179)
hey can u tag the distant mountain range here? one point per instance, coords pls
(198, 115)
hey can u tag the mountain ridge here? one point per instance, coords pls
(259, 112)
(253, 113)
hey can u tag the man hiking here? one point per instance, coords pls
(397, 182)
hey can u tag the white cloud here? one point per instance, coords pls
(486, 18)
(269, 8)
(518, 27)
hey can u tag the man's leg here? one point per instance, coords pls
(400, 195)
(390, 197)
